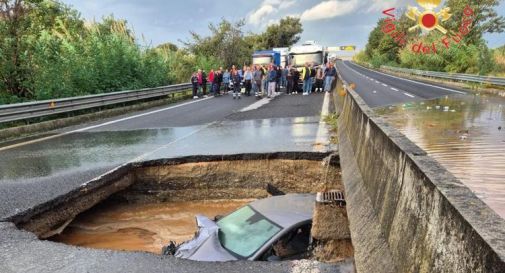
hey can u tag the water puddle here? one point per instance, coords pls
(464, 133)
(141, 227)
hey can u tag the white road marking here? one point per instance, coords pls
(322, 131)
(410, 95)
(257, 104)
(100, 125)
(394, 89)
(385, 85)
(422, 83)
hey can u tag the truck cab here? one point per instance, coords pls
(266, 57)
(308, 52)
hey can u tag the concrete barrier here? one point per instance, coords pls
(407, 213)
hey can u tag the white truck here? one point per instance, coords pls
(308, 52)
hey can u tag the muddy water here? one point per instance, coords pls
(462, 133)
(141, 227)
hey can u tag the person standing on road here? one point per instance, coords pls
(289, 81)
(296, 81)
(204, 84)
(201, 82)
(215, 84)
(312, 77)
(235, 78)
(226, 80)
(278, 77)
(272, 81)
(248, 77)
(257, 76)
(211, 81)
(284, 79)
(194, 82)
(219, 80)
(265, 79)
(319, 79)
(306, 79)
(330, 75)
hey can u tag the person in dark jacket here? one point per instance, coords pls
(289, 81)
(236, 79)
(194, 82)
(219, 79)
(296, 81)
(215, 84)
(204, 83)
(278, 78)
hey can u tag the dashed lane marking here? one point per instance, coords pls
(416, 82)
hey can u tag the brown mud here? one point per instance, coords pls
(141, 227)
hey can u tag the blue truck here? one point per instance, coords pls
(266, 57)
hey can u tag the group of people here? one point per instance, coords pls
(262, 80)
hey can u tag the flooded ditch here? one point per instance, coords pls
(466, 134)
(144, 206)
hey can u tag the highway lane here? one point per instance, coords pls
(381, 89)
(41, 169)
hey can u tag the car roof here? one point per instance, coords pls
(286, 210)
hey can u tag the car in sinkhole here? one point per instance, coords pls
(271, 229)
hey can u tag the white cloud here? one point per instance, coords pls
(257, 16)
(329, 9)
(267, 8)
(380, 5)
(287, 4)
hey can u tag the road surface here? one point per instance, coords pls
(380, 89)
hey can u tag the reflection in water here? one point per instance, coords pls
(463, 133)
(85, 150)
(141, 227)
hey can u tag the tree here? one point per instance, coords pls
(284, 34)
(226, 43)
(486, 19)
(382, 48)
(14, 25)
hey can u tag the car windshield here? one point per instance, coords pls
(245, 231)
(262, 60)
(302, 59)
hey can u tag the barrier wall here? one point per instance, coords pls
(407, 213)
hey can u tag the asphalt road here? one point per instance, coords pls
(380, 89)
(41, 169)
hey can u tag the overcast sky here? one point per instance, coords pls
(330, 22)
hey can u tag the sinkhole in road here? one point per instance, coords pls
(153, 203)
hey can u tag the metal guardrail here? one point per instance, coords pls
(450, 76)
(22, 111)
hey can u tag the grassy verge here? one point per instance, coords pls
(332, 121)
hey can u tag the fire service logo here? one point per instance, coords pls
(428, 20)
